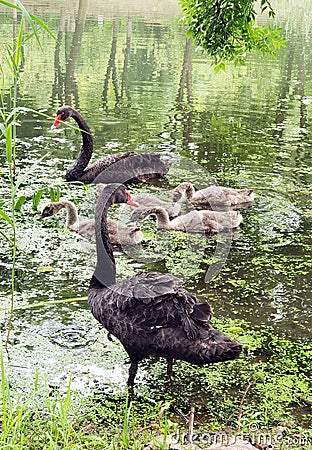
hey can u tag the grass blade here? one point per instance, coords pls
(19, 203)
(36, 198)
(8, 143)
(31, 18)
(18, 44)
(6, 218)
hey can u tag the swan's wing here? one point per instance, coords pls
(125, 167)
(238, 196)
(154, 300)
(102, 164)
(220, 195)
(213, 195)
(120, 233)
(190, 222)
(150, 201)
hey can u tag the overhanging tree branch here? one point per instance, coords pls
(226, 29)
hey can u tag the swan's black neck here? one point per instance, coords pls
(105, 271)
(86, 151)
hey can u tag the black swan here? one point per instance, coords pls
(151, 313)
(118, 232)
(125, 167)
(212, 195)
(203, 221)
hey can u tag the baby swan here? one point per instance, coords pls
(193, 222)
(146, 200)
(212, 195)
(118, 233)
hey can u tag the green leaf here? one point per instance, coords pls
(45, 269)
(11, 5)
(55, 194)
(218, 67)
(18, 44)
(36, 198)
(19, 203)
(31, 18)
(8, 143)
(5, 237)
(227, 30)
(6, 218)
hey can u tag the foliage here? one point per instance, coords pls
(55, 194)
(227, 30)
(261, 392)
(36, 198)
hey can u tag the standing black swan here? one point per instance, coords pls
(151, 313)
(125, 167)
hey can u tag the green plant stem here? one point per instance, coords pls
(12, 173)
(12, 298)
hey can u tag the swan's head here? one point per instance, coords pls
(51, 209)
(183, 192)
(141, 213)
(63, 113)
(117, 193)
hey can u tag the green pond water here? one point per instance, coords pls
(142, 86)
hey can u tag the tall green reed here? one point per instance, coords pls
(23, 426)
(9, 116)
(13, 417)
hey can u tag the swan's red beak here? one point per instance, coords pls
(130, 201)
(56, 122)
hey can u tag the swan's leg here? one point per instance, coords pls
(132, 373)
(169, 367)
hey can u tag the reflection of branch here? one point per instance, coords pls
(186, 73)
(58, 76)
(179, 109)
(240, 412)
(111, 68)
(300, 86)
(281, 105)
(71, 84)
(124, 75)
(186, 83)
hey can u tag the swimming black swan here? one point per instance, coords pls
(125, 167)
(212, 195)
(203, 221)
(118, 232)
(151, 313)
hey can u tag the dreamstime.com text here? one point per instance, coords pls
(254, 438)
